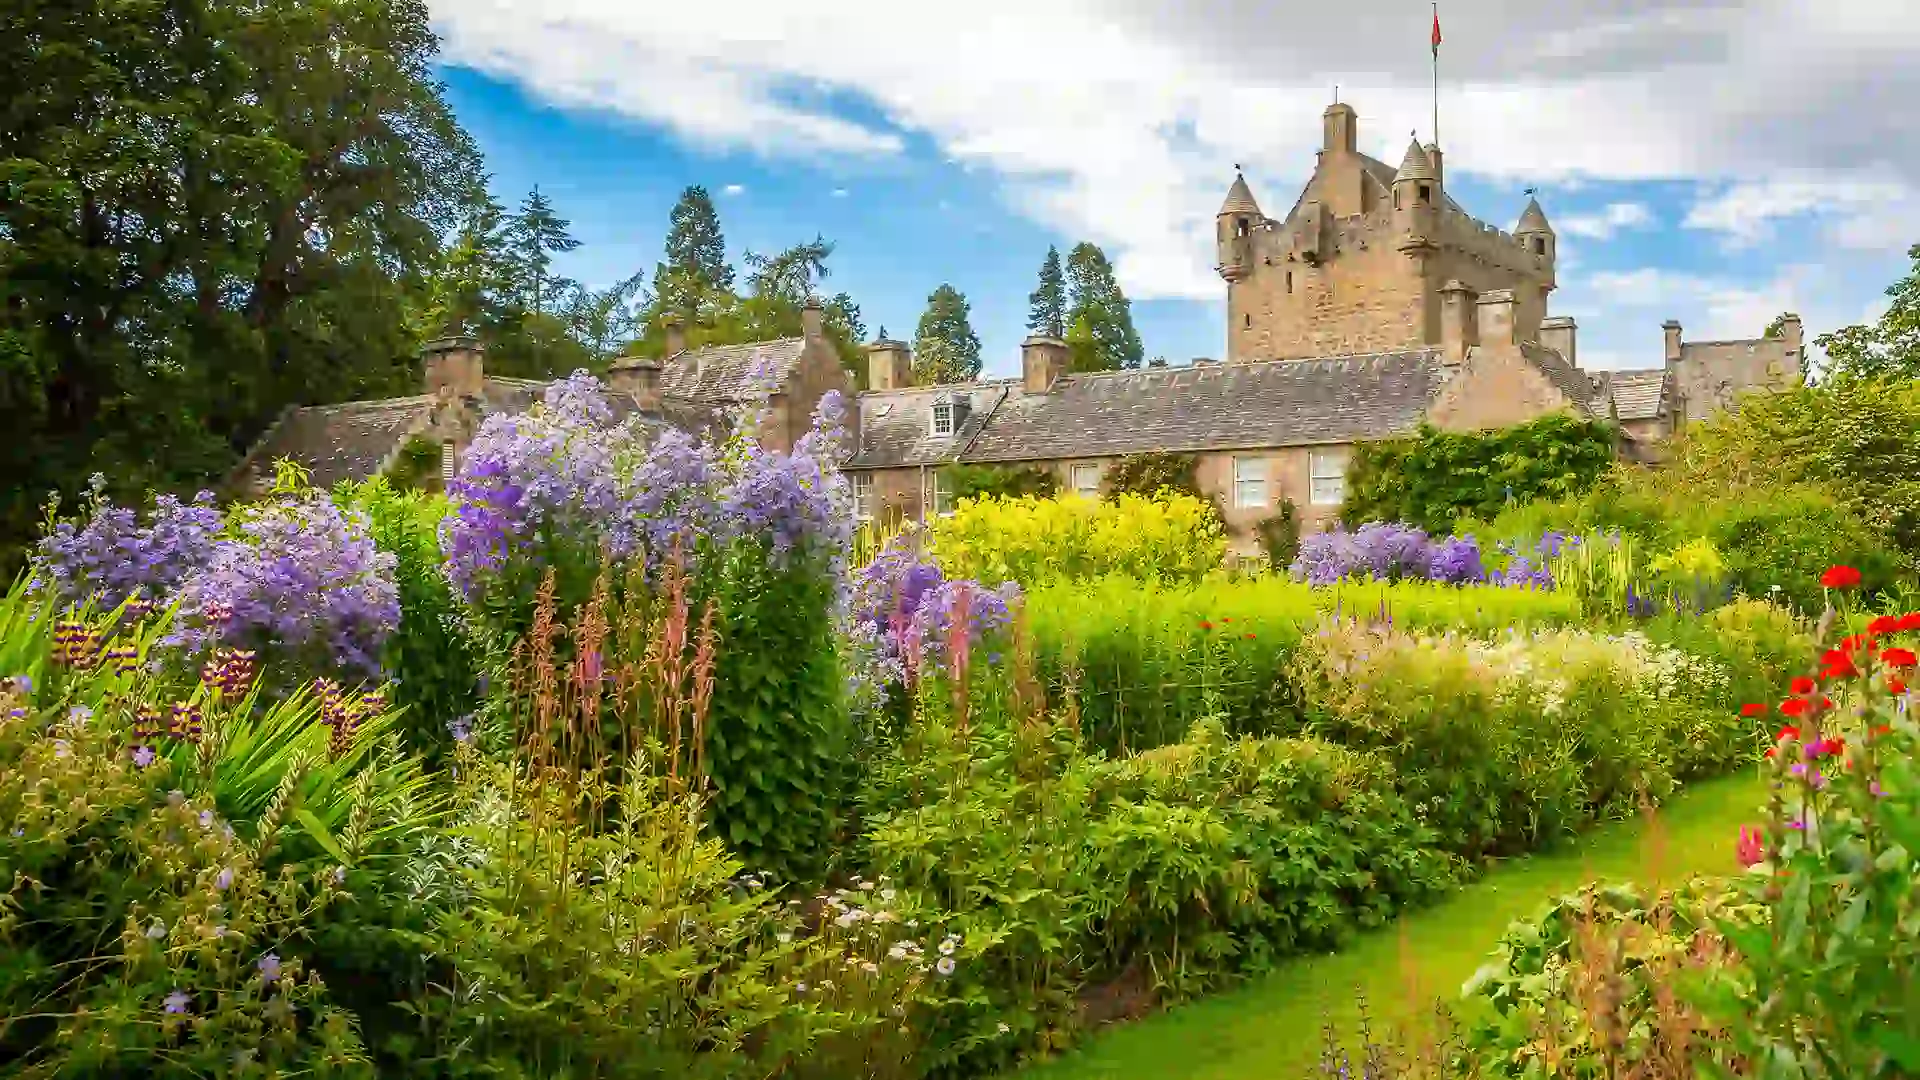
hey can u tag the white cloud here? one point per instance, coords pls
(733, 189)
(1611, 219)
(839, 193)
(1117, 120)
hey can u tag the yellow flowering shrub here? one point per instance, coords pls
(1031, 540)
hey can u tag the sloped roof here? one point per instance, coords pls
(349, 441)
(1533, 219)
(896, 426)
(1416, 165)
(729, 374)
(1577, 385)
(1239, 198)
(1209, 407)
(1638, 395)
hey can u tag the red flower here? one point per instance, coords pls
(1883, 729)
(1893, 657)
(1227, 619)
(1755, 708)
(1910, 621)
(1788, 732)
(1752, 847)
(1894, 685)
(1249, 637)
(1802, 685)
(1840, 577)
(1838, 665)
(1793, 707)
(1885, 624)
(1853, 643)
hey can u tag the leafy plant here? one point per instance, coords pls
(1279, 535)
(1001, 481)
(1032, 541)
(1433, 477)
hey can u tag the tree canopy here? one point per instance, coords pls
(1099, 319)
(945, 348)
(1891, 345)
(1047, 304)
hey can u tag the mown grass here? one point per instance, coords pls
(1270, 1029)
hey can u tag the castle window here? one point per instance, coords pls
(1086, 481)
(1539, 245)
(943, 417)
(1327, 476)
(1247, 321)
(1249, 482)
(1289, 281)
(1240, 226)
(1426, 194)
(862, 495)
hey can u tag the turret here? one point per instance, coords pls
(1239, 216)
(1416, 193)
(1534, 232)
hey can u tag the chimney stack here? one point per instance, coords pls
(1042, 361)
(453, 366)
(1790, 332)
(638, 376)
(1497, 328)
(1672, 328)
(889, 365)
(812, 320)
(1459, 328)
(673, 330)
(1557, 333)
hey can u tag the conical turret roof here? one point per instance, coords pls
(1533, 219)
(1239, 198)
(1416, 165)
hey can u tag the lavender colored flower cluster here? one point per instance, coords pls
(905, 611)
(1386, 551)
(564, 480)
(113, 557)
(300, 575)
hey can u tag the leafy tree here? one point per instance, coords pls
(790, 275)
(1891, 346)
(209, 210)
(944, 345)
(1047, 304)
(1099, 316)
(603, 321)
(696, 273)
(471, 287)
(535, 234)
(1432, 477)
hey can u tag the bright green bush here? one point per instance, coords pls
(1000, 481)
(1143, 663)
(1777, 545)
(1033, 541)
(1433, 477)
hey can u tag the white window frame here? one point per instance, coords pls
(862, 483)
(1327, 475)
(1251, 475)
(1085, 488)
(936, 495)
(943, 418)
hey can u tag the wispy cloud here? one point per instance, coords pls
(733, 189)
(1611, 219)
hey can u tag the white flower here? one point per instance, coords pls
(784, 936)
(887, 895)
(800, 988)
(947, 947)
(1004, 1028)
(945, 966)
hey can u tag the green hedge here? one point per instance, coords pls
(1433, 477)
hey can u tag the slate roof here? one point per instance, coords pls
(1416, 165)
(1639, 395)
(1239, 198)
(896, 426)
(729, 374)
(1533, 219)
(1578, 386)
(349, 441)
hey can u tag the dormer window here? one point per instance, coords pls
(943, 417)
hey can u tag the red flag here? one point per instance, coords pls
(1436, 29)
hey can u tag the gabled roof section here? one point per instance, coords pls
(729, 374)
(1214, 407)
(349, 441)
(1578, 387)
(1636, 395)
(896, 426)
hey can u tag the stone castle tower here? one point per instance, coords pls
(1361, 261)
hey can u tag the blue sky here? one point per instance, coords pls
(1681, 185)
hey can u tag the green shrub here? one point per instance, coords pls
(1001, 481)
(1279, 536)
(1433, 477)
(1778, 545)
(1149, 475)
(1034, 541)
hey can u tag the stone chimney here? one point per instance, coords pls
(453, 367)
(889, 365)
(673, 331)
(1340, 129)
(812, 320)
(1790, 332)
(1459, 325)
(1042, 361)
(1672, 328)
(1439, 166)
(638, 376)
(1497, 327)
(1557, 333)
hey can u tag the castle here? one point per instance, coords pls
(1375, 305)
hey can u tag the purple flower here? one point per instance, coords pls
(269, 966)
(22, 684)
(143, 756)
(461, 728)
(112, 559)
(223, 880)
(176, 1003)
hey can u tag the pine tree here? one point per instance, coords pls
(944, 345)
(1098, 314)
(1047, 305)
(696, 269)
(535, 233)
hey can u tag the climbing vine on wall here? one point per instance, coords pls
(1431, 477)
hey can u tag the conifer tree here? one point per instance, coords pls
(1099, 317)
(535, 233)
(696, 269)
(945, 348)
(1047, 304)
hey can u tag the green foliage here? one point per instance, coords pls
(1279, 535)
(1063, 882)
(1001, 481)
(533, 236)
(1099, 318)
(1778, 546)
(417, 466)
(1150, 474)
(1032, 540)
(211, 211)
(1890, 348)
(780, 731)
(1047, 304)
(432, 653)
(696, 266)
(1433, 477)
(945, 348)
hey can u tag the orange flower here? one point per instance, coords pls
(1840, 577)
(1205, 625)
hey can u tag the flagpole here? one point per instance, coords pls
(1436, 73)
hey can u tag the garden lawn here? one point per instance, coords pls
(1270, 1029)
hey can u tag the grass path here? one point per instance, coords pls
(1269, 1029)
